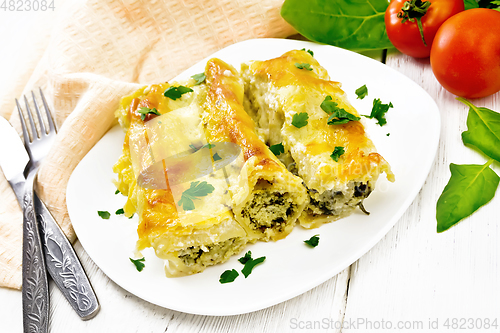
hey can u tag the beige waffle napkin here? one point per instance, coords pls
(98, 51)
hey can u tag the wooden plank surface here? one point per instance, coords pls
(415, 274)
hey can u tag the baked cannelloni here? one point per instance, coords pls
(267, 199)
(168, 172)
(295, 104)
(197, 170)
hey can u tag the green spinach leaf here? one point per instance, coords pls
(470, 187)
(483, 130)
(469, 4)
(492, 4)
(354, 25)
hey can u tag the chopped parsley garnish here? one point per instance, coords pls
(277, 149)
(217, 157)
(388, 134)
(340, 117)
(378, 111)
(209, 146)
(196, 190)
(313, 241)
(228, 276)
(337, 152)
(120, 211)
(331, 107)
(303, 65)
(246, 257)
(308, 51)
(300, 119)
(131, 216)
(176, 92)
(328, 105)
(193, 147)
(250, 264)
(104, 214)
(138, 263)
(117, 191)
(199, 78)
(362, 92)
(145, 111)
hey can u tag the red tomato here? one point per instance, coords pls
(406, 36)
(465, 56)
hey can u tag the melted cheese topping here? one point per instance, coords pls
(163, 223)
(230, 122)
(289, 91)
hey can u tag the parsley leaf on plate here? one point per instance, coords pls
(176, 92)
(104, 214)
(250, 264)
(313, 241)
(300, 119)
(228, 276)
(145, 111)
(308, 51)
(379, 110)
(117, 191)
(337, 152)
(246, 257)
(199, 78)
(120, 211)
(196, 190)
(277, 149)
(303, 65)
(362, 92)
(138, 263)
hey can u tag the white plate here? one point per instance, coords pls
(291, 268)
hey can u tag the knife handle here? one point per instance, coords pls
(64, 266)
(35, 290)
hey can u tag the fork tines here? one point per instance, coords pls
(43, 128)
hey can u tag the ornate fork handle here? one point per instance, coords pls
(64, 266)
(35, 287)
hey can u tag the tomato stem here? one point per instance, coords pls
(414, 10)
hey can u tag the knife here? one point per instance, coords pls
(61, 260)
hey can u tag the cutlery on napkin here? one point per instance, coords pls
(60, 259)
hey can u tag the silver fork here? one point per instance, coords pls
(61, 260)
(35, 286)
